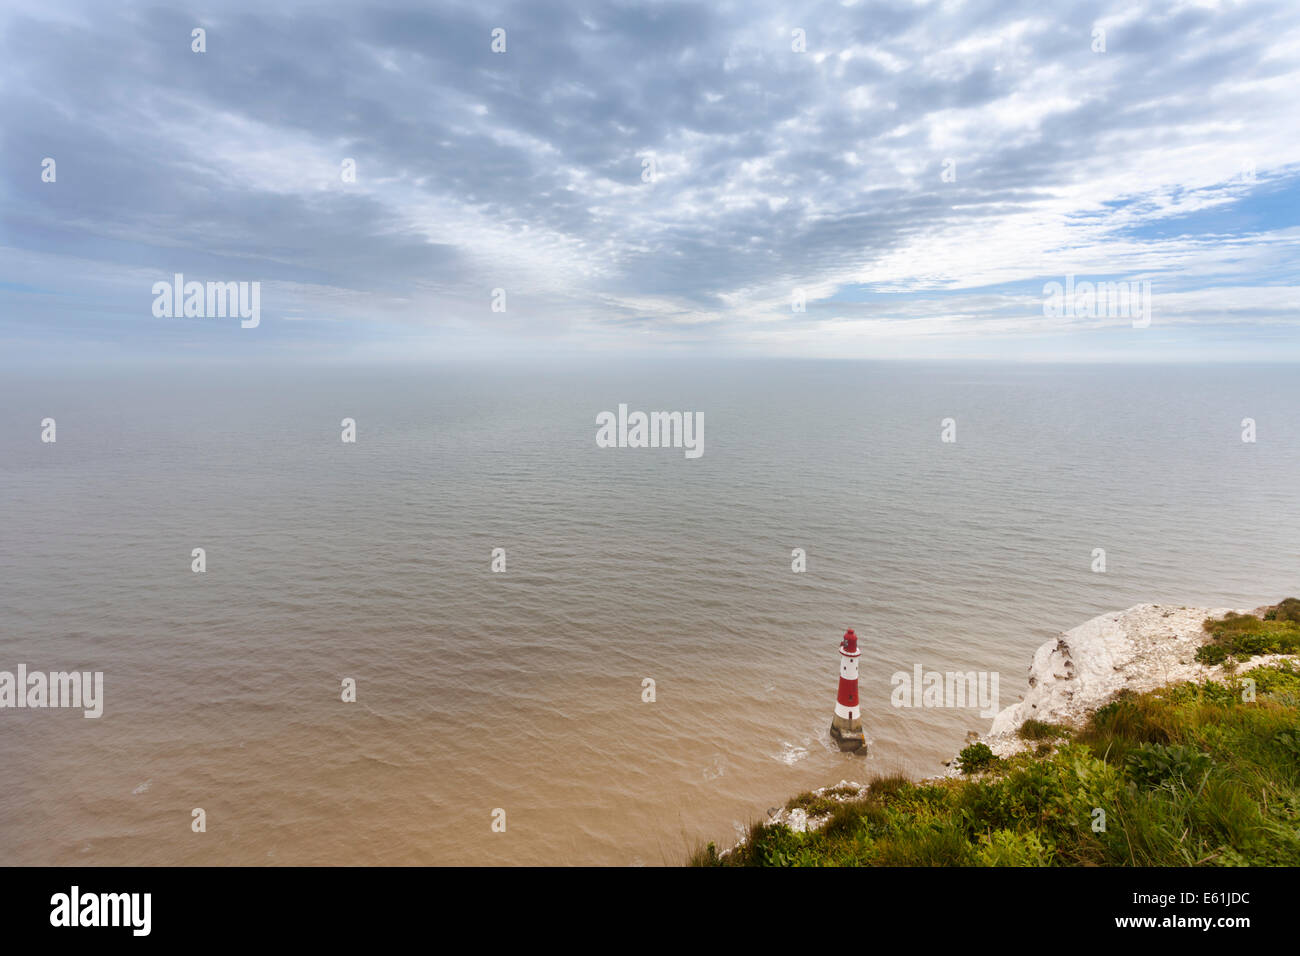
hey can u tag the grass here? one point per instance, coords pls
(1041, 730)
(1188, 775)
(1242, 636)
(815, 804)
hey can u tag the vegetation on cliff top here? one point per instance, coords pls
(1187, 775)
(1242, 636)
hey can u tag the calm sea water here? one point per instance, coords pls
(522, 690)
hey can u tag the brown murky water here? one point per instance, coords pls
(523, 690)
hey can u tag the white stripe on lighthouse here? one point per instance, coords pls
(848, 713)
(849, 668)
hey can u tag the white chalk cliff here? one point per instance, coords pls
(1140, 649)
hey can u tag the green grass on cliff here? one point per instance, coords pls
(1189, 775)
(1242, 636)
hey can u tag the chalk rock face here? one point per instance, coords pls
(1142, 648)
(798, 819)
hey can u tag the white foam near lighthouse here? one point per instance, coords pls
(846, 727)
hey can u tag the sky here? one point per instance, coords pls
(650, 178)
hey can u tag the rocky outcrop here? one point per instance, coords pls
(1142, 648)
(1145, 647)
(798, 818)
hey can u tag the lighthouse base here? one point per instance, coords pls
(847, 733)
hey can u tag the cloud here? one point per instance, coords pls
(775, 170)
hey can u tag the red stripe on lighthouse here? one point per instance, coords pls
(848, 695)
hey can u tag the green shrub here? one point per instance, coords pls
(1157, 765)
(1211, 692)
(1010, 848)
(1243, 636)
(1285, 610)
(975, 758)
(1212, 654)
(1288, 741)
(1282, 678)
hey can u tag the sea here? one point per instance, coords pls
(475, 636)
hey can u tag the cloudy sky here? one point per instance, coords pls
(919, 171)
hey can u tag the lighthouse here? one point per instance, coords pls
(846, 728)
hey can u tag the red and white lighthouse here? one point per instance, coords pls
(846, 728)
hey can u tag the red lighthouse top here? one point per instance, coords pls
(850, 642)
